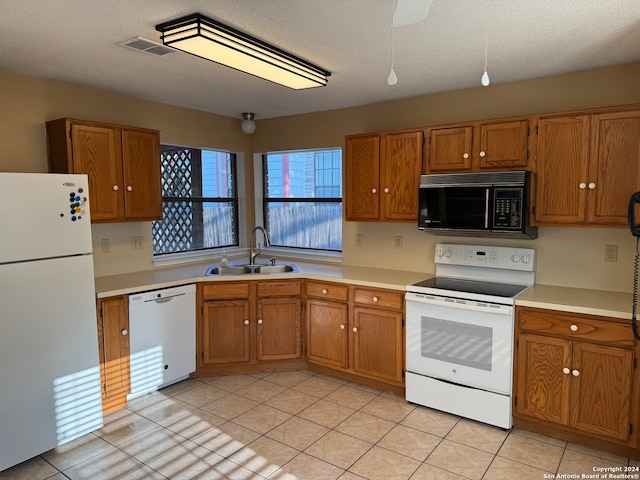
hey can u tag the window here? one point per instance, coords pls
(199, 200)
(303, 199)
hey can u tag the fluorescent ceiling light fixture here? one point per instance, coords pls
(206, 38)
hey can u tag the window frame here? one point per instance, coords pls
(237, 179)
(262, 201)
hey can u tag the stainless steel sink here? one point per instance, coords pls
(250, 269)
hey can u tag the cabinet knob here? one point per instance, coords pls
(592, 186)
(342, 326)
(375, 299)
(355, 329)
(483, 154)
(566, 371)
(259, 321)
(324, 291)
(124, 332)
(129, 188)
(575, 373)
(373, 190)
(466, 155)
(246, 322)
(386, 190)
(115, 187)
(573, 328)
(582, 186)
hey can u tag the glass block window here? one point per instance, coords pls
(303, 198)
(199, 199)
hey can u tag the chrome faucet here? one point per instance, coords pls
(254, 249)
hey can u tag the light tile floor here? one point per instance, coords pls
(301, 425)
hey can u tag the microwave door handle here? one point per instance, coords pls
(486, 208)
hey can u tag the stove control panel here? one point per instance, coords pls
(509, 258)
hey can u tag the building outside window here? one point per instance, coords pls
(199, 200)
(303, 198)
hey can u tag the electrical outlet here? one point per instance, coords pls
(358, 239)
(397, 241)
(611, 253)
(106, 245)
(136, 243)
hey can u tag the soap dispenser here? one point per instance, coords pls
(224, 262)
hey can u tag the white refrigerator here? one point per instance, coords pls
(49, 368)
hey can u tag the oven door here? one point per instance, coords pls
(461, 341)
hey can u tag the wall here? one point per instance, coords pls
(27, 103)
(566, 256)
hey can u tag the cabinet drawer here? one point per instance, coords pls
(220, 290)
(576, 327)
(279, 289)
(379, 298)
(329, 291)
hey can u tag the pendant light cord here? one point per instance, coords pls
(393, 36)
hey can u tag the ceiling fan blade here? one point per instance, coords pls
(411, 11)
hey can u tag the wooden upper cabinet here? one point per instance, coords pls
(141, 167)
(382, 174)
(122, 164)
(362, 176)
(449, 149)
(588, 168)
(497, 145)
(614, 166)
(400, 170)
(95, 152)
(563, 153)
(503, 145)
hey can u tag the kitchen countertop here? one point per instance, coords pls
(577, 300)
(195, 272)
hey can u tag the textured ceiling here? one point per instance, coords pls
(77, 42)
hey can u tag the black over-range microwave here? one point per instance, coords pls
(476, 204)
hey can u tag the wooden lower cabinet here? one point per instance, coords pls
(249, 326)
(113, 348)
(356, 333)
(573, 378)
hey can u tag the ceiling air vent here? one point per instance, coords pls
(144, 45)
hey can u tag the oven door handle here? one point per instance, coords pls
(473, 305)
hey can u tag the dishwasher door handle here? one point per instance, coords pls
(163, 299)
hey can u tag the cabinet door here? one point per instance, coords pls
(449, 149)
(327, 333)
(362, 174)
(503, 145)
(142, 184)
(542, 386)
(377, 343)
(279, 329)
(601, 389)
(96, 153)
(614, 168)
(226, 334)
(400, 169)
(113, 345)
(563, 153)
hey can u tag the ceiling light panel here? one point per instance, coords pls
(206, 38)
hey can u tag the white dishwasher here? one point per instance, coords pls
(162, 325)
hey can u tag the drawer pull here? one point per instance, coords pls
(355, 329)
(246, 322)
(375, 299)
(324, 291)
(575, 373)
(573, 328)
(342, 326)
(566, 371)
